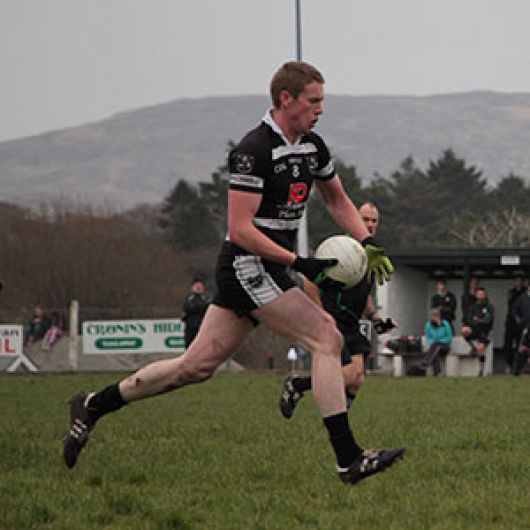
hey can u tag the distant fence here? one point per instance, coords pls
(124, 334)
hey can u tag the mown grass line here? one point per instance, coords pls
(220, 456)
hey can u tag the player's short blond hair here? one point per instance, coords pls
(293, 76)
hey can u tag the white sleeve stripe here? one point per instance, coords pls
(250, 181)
(277, 224)
(327, 170)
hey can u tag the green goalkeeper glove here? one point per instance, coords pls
(379, 266)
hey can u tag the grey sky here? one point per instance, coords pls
(66, 62)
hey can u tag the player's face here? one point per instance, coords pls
(370, 217)
(481, 295)
(197, 288)
(304, 110)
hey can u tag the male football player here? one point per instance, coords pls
(272, 171)
(346, 306)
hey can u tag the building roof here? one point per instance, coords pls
(490, 263)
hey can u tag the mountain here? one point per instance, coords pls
(137, 156)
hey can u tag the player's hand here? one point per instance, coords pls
(313, 268)
(383, 326)
(379, 266)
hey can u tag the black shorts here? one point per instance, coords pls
(354, 343)
(479, 336)
(246, 282)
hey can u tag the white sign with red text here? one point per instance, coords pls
(11, 347)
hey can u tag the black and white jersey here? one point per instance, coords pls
(265, 162)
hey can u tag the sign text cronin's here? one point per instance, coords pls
(133, 336)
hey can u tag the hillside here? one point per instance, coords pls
(137, 156)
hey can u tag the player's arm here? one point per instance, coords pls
(347, 216)
(370, 311)
(340, 207)
(380, 325)
(242, 206)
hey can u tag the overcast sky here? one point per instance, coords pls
(67, 62)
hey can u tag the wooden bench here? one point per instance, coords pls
(457, 363)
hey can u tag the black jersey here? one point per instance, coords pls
(347, 306)
(265, 162)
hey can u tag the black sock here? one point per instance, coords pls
(301, 384)
(341, 437)
(101, 403)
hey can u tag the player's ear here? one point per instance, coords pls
(286, 98)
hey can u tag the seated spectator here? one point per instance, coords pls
(438, 334)
(37, 327)
(54, 332)
(478, 326)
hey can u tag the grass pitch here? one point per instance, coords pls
(220, 456)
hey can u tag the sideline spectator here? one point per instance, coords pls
(292, 357)
(54, 332)
(521, 312)
(195, 305)
(444, 300)
(469, 298)
(298, 358)
(512, 329)
(37, 327)
(438, 334)
(477, 331)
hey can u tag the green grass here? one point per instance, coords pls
(220, 456)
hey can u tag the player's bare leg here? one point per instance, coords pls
(220, 334)
(296, 317)
(222, 331)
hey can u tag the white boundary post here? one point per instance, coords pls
(74, 337)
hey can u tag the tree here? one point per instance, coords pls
(402, 200)
(214, 194)
(106, 261)
(506, 228)
(457, 186)
(186, 220)
(511, 191)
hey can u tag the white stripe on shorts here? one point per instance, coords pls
(255, 280)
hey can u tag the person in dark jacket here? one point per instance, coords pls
(445, 301)
(476, 332)
(521, 313)
(469, 298)
(195, 305)
(512, 330)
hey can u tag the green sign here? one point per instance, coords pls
(174, 342)
(120, 343)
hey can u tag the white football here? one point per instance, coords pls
(352, 264)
